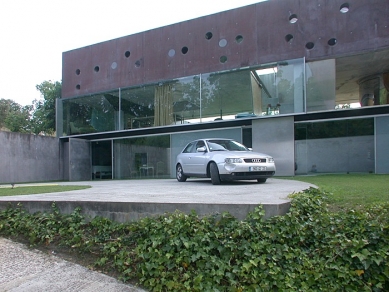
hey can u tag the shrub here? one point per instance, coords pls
(308, 249)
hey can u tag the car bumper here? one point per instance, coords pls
(246, 171)
(247, 175)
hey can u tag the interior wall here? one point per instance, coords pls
(80, 164)
(275, 137)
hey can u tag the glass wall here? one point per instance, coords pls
(145, 157)
(335, 146)
(89, 114)
(271, 89)
(320, 85)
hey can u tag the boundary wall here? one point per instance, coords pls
(29, 158)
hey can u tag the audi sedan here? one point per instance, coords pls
(223, 160)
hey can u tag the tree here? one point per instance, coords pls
(17, 118)
(43, 116)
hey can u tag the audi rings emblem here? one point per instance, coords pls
(254, 160)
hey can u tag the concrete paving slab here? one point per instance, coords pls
(129, 200)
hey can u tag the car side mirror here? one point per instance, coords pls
(202, 149)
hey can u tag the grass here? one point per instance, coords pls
(351, 190)
(30, 190)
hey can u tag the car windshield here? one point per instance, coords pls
(225, 145)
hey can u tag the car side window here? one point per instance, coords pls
(200, 144)
(189, 148)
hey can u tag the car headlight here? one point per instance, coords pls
(233, 160)
(270, 159)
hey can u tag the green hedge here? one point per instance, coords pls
(308, 249)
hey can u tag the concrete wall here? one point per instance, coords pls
(29, 158)
(348, 154)
(275, 137)
(80, 164)
(382, 144)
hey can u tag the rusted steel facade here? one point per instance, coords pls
(252, 35)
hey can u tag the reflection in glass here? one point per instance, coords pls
(89, 114)
(271, 89)
(146, 157)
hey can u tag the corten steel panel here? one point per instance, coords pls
(263, 26)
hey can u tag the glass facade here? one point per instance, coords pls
(272, 89)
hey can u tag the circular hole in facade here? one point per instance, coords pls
(223, 59)
(344, 8)
(114, 65)
(171, 53)
(127, 54)
(137, 64)
(309, 45)
(78, 72)
(208, 35)
(184, 50)
(293, 18)
(332, 42)
(239, 39)
(97, 69)
(222, 43)
(289, 37)
(78, 86)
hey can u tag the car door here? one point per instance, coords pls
(199, 159)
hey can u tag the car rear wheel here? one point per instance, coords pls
(261, 180)
(181, 177)
(215, 178)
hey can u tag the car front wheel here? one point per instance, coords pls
(181, 177)
(215, 178)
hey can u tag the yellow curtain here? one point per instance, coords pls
(163, 105)
(386, 84)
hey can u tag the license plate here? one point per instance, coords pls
(257, 168)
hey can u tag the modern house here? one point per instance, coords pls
(305, 81)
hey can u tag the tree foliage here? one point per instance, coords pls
(37, 118)
(43, 117)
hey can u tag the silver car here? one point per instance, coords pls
(223, 160)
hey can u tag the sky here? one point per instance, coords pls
(35, 33)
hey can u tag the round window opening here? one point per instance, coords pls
(293, 18)
(239, 39)
(332, 42)
(96, 69)
(223, 59)
(289, 37)
(344, 8)
(208, 35)
(222, 43)
(127, 54)
(171, 53)
(184, 50)
(309, 45)
(137, 64)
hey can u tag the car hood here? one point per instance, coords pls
(242, 154)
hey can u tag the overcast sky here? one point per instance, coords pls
(34, 33)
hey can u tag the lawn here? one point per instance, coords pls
(30, 190)
(351, 190)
